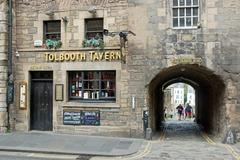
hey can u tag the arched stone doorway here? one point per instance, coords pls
(209, 89)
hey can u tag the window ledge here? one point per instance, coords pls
(67, 49)
(185, 28)
(90, 105)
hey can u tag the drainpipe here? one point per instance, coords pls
(10, 73)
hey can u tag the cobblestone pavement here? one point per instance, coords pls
(181, 140)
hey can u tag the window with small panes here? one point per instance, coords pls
(92, 85)
(52, 30)
(94, 28)
(185, 13)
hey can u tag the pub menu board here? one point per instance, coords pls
(72, 117)
(91, 118)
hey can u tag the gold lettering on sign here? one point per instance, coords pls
(67, 57)
(118, 55)
(73, 57)
(112, 56)
(82, 56)
(108, 56)
(95, 57)
(101, 55)
(61, 57)
(53, 57)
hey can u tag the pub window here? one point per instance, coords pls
(52, 30)
(92, 85)
(185, 13)
(94, 28)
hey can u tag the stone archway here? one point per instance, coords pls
(209, 89)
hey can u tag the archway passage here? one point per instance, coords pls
(209, 92)
(181, 95)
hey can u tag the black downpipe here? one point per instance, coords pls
(9, 37)
(10, 72)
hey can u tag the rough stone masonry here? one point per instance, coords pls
(3, 65)
(157, 48)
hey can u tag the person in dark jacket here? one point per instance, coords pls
(179, 111)
(188, 111)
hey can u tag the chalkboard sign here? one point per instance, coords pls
(91, 118)
(72, 118)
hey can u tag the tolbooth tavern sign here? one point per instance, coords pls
(84, 56)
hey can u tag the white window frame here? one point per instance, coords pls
(185, 16)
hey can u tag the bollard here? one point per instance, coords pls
(149, 134)
(145, 122)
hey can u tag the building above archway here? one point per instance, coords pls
(209, 89)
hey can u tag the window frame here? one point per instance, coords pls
(96, 92)
(178, 17)
(96, 31)
(45, 29)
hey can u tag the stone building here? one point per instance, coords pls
(190, 41)
(71, 83)
(3, 65)
(103, 89)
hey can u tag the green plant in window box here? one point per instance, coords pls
(93, 42)
(53, 44)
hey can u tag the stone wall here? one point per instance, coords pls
(216, 42)
(156, 46)
(29, 27)
(3, 65)
(31, 14)
(227, 17)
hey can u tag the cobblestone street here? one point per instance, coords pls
(182, 140)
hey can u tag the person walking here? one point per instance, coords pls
(171, 113)
(188, 110)
(179, 111)
(165, 112)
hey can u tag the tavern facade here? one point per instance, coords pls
(80, 68)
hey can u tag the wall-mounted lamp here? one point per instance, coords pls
(17, 54)
(123, 35)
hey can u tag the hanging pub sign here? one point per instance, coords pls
(106, 55)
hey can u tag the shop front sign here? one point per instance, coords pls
(22, 95)
(83, 56)
(77, 117)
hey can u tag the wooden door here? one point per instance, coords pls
(41, 105)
